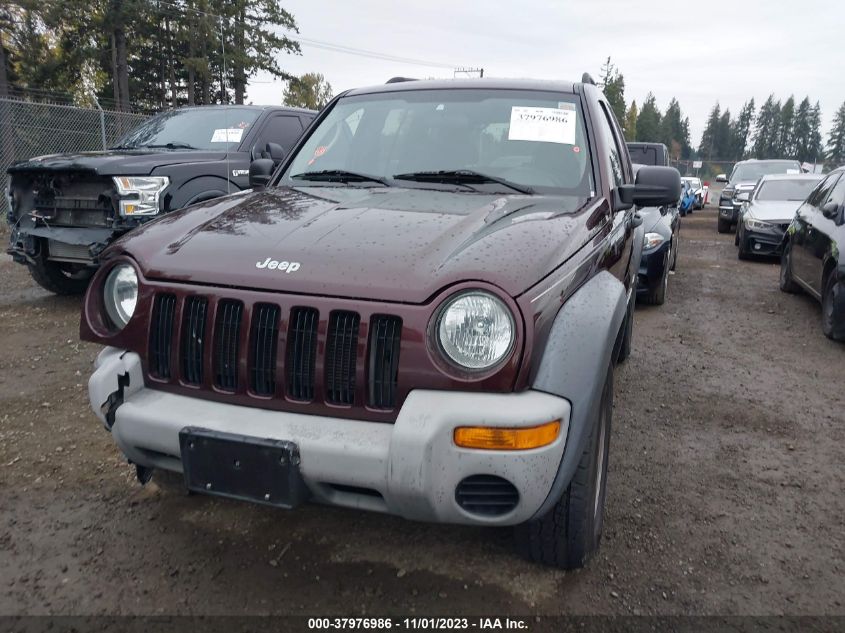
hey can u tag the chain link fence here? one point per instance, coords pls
(29, 129)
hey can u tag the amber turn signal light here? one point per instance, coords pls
(493, 438)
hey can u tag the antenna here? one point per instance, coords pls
(224, 100)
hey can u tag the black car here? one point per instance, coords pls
(64, 209)
(768, 210)
(813, 253)
(743, 179)
(649, 154)
(661, 229)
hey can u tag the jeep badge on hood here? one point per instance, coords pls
(273, 264)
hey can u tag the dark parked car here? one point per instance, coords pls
(661, 240)
(649, 153)
(768, 210)
(813, 255)
(420, 315)
(64, 209)
(743, 179)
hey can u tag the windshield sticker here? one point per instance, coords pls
(546, 125)
(227, 135)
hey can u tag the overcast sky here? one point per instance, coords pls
(752, 48)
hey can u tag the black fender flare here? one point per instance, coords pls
(199, 189)
(574, 365)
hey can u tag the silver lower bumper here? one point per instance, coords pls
(413, 464)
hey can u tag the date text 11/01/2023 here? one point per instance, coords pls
(418, 623)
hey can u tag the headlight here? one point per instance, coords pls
(475, 330)
(139, 194)
(752, 224)
(652, 240)
(120, 294)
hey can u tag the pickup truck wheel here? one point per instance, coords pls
(570, 533)
(833, 309)
(58, 278)
(723, 226)
(786, 282)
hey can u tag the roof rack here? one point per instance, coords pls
(397, 80)
(586, 78)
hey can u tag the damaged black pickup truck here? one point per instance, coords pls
(64, 209)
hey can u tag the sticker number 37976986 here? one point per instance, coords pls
(549, 125)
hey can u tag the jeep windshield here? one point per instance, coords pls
(468, 140)
(749, 172)
(219, 128)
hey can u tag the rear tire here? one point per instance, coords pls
(570, 533)
(833, 308)
(786, 282)
(723, 226)
(60, 279)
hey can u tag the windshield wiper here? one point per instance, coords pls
(340, 175)
(462, 176)
(171, 145)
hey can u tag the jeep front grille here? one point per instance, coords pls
(258, 351)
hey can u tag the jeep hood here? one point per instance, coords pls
(138, 162)
(391, 244)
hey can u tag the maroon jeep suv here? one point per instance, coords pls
(418, 312)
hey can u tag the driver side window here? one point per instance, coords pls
(615, 156)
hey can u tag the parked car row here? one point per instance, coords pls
(801, 218)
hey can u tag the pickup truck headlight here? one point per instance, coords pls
(652, 240)
(120, 294)
(752, 224)
(139, 194)
(475, 330)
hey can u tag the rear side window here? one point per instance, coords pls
(281, 129)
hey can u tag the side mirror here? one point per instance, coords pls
(260, 172)
(654, 187)
(830, 209)
(721, 178)
(273, 151)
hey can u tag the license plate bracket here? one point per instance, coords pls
(242, 467)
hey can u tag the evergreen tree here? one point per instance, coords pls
(836, 140)
(671, 128)
(309, 91)
(815, 147)
(801, 131)
(708, 149)
(613, 86)
(767, 129)
(786, 135)
(724, 138)
(631, 122)
(741, 130)
(648, 121)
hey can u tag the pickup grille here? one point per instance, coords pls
(293, 355)
(69, 198)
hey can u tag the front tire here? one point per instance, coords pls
(60, 279)
(833, 308)
(657, 295)
(628, 336)
(723, 226)
(742, 252)
(786, 282)
(570, 533)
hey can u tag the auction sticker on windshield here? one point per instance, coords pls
(548, 125)
(227, 135)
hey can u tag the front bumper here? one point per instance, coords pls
(728, 210)
(761, 242)
(410, 468)
(652, 265)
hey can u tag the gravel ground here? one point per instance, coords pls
(725, 484)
